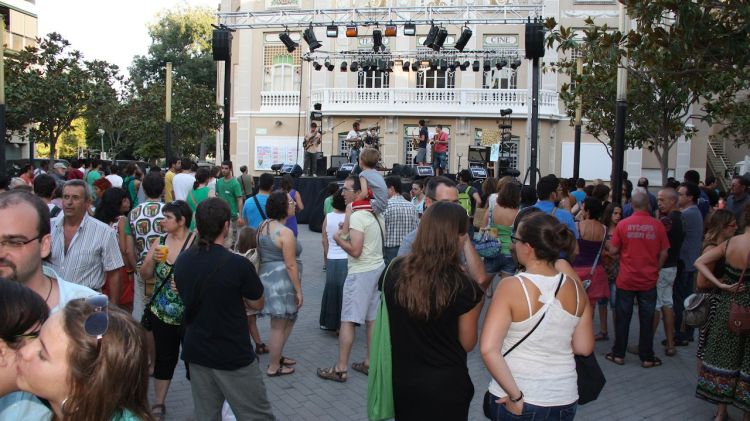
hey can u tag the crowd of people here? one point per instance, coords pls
(114, 272)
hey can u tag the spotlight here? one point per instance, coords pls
(475, 66)
(515, 64)
(343, 66)
(465, 65)
(431, 36)
(440, 39)
(405, 66)
(287, 40)
(415, 66)
(311, 39)
(390, 30)
(332, 31)
(329, 66)
(452, 67)
(501, 63)
(351, 31)
(317, 66)
(377, 40)
(389, 66)
(410, 29)
(463, 39)
(486, 66)
(434, 65)
(354, 67)
(505, 112)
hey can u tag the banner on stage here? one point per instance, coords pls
(271, 150)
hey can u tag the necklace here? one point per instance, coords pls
(50, 290)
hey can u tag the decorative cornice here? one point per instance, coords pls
(591, 13)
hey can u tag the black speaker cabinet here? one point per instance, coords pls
(293, 169)
(221, 44)
(534, 40)
(338, 160)
(322, 164)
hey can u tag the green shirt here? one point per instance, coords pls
(229, 191)
(328, 205)
(92, 176)
(194, 198)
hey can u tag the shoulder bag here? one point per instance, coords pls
(739, 315)
(587, 282)
(697, 305)
(380, 375)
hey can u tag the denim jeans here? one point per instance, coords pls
(441, 160)
(624, 312)
(389, 253)
(533, 412)
(683, 287)
(353, 156)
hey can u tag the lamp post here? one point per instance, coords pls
(168, 117)
(618, 154)
(577, 140)
(101, 151)
(2, 101)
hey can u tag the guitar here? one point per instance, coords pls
(313, 140)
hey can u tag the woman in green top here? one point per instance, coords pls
(503, 212)
(201, 191)
(90, 363)
(332, 188)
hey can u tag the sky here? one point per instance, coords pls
(114, 31)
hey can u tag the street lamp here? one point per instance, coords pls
(101, 151)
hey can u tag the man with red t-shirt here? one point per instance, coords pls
(440, 162)
(642, 243)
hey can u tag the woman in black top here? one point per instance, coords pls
(433, 308)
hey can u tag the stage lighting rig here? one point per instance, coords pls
(405, 66)
(354, 66)
(515, 64)
(501, 63)
(440, 39)
(415, 66)
(377, 40)
(429, 42)
(343, 66)
(465, 65)
(288, 42)
(410, 29)
(329, 66)
(311, 39)
(351, 31)
(486, 66)
(463, 39)
(332, 31)
(317, 66)
(505, 112)
(475, 66)
(391, 30)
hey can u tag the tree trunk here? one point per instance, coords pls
(664, 165)
(52, 146)
(202, 153)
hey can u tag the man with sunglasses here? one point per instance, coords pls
(25, 241)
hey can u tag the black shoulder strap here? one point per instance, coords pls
(559, 284)
(257, 204)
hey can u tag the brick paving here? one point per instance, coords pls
(631, 393)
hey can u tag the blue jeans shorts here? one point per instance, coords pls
(500, 263)
(441, 160)
(533, 412)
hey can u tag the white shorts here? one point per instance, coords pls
(361, 296)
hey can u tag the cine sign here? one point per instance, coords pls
(501, 40)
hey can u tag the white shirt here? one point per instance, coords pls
(182, 184)
(332, 225)
(115, 179)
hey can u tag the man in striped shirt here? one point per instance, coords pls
(85, 250)
(400, 218)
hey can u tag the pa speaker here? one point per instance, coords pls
(322, 164)
(534, 40)
(221, 44)
(339, 160)
(293, 169)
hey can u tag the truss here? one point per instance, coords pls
(366, 16)
(446, 54)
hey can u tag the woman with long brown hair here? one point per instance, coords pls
(433, 308)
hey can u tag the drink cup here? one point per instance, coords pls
(163, 253)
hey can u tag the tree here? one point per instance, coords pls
(49, 86)
(681, 61)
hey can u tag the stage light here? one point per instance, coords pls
(505, 112)
(516, 64)
(452, 67)
(463, 39)
(354, 67)
(390, 30)
(486, 66)
(351, 31)
(332, 31)
(430, 40)
(311, 39)
(440, 39)
(415, 66)
(434, 65)
(410, 29)
(405, 66)
(329, 66)
(475, 66)
(343, 66)
(389, 66)
(288, 42)
(501, 63)
(377, 40)
(465, 65)
(317, 66)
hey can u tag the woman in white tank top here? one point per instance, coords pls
(336, 266)
(539, 375)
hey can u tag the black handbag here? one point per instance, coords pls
(591, 378)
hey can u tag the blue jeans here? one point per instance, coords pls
(624, 312)
(533, 412)
(683, 287)
(353, 156)
(441, 160)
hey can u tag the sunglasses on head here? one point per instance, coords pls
(96, 323)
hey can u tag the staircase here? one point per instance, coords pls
(719, 164)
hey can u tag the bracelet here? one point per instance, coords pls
(516, 400)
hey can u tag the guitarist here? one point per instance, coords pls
(355, 142)
(312, 150)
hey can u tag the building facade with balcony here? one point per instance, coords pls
(274, 90)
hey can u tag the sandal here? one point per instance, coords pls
(670, 352)
(286, 361)
(159, 411)
(261, 348)
(601, 336)
(332, 374)
(654, 362)
(280, 371)
(617, 360)
(361, 367)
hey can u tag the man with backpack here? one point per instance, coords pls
(254, 210)
(468, 196)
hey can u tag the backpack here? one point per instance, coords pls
(54, 211)
(465, 199)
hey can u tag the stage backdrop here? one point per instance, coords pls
(271, 150)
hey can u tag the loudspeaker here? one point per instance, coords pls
(344, 171)
(221, 44)
(478, 173)
(425, 171)
(331, 171)
(322, 164)
(293, 169)
(534, 40)
(339, 160)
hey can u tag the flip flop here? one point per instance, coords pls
(654, 362)
(332, 374)
(361, 367)
(280, 371)
(617, 360)
(287, 361)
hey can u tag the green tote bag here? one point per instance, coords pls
(380, 375)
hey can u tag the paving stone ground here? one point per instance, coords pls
(631, 393)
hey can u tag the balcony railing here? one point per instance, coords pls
(478, 102)
(17, 42)
(279, 101)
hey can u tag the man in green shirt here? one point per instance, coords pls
(95, 172)
(229, 190)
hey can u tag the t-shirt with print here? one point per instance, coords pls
(216, 334)
(640, 239)
(372, 248)
(145, 225)
(229, 191)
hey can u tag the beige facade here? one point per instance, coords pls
(273, 92)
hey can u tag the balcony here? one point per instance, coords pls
(279, 101)
(434, 102)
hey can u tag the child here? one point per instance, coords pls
(246, 242)
(373, 195)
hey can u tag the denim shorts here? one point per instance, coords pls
(533, 412)
(441, 160)
(500, 263)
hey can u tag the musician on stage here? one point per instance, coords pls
(440, 147)
(355, 142)
(422, 139)
(312, 150)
